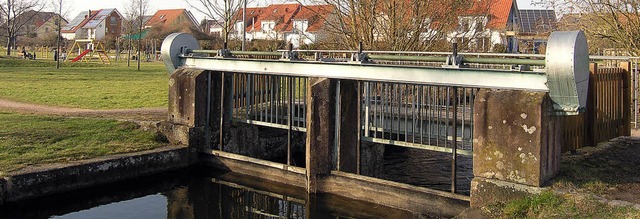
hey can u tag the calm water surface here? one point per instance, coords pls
(195, 194)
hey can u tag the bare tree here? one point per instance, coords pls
(14, 23)
(58, 6)
(220, 10)
(135, 12)
(391, 24)
(613, 23)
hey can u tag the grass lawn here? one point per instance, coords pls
(84, 85)
(549, 205)
(27, 140)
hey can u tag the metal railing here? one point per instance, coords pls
(437, 118)
(270, 100)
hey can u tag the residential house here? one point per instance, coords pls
(535, 28)
(252, 17)
(487, 23)
(94, 25)
(167, 21)
(307, 24)
(293, 23)
(40, 24)
(213, 28)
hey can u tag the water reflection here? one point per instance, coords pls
(427, 169)
(192, 194)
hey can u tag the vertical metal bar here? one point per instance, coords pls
(222, 97)
(271, 84)
(383, 107)
(414, 106)
(420, 107)
(406, 111)
(446, 116)
(359, 122)
(389, 111)
(260, 96)
(207, 129)
(277, 88)
(246, 96)
(289, 118)
(398, 101)
(471, 120)
(375, 109)
(429, 113)
(336, 140)
(635, 94)
(454, 145)
(464, 114)
(437, 106)
(367, 104)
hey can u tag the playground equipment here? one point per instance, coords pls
(90, 47)
(44, 52)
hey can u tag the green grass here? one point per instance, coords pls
(549, 205)
(84, 85)
(28, 140)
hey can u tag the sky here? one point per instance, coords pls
(73, 7)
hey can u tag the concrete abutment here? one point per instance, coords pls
(516, 145)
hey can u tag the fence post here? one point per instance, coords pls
(591, 122)
(626, 99)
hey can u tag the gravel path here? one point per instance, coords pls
(140, 114)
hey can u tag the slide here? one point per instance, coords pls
(81, 55)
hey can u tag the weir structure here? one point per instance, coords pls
(321, 120)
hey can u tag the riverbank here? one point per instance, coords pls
(595, 182)
(37, 181)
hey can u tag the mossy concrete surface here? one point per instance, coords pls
(516, 141)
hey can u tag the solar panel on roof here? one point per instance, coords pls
(533, 21)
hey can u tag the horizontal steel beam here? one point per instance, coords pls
(479, 78)
(511, 61)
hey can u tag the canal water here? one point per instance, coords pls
(197, 193)
(429, 169)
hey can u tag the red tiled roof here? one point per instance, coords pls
(284, 14)
(280, 13)
(166, 17)
(497, 10)
(315, 15)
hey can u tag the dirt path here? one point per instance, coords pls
(140, 114)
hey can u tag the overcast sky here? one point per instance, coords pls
(76, 6)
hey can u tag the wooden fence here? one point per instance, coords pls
(608, 109)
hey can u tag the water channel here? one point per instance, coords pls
(197, 193)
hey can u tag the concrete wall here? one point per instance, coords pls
(57, 178)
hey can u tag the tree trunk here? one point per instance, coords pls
(8, 46)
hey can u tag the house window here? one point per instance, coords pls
(268, 26)
(162, 16)
(113, 20)
(300, 26)
(479, 25)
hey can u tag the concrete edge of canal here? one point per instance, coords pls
(49, 179)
